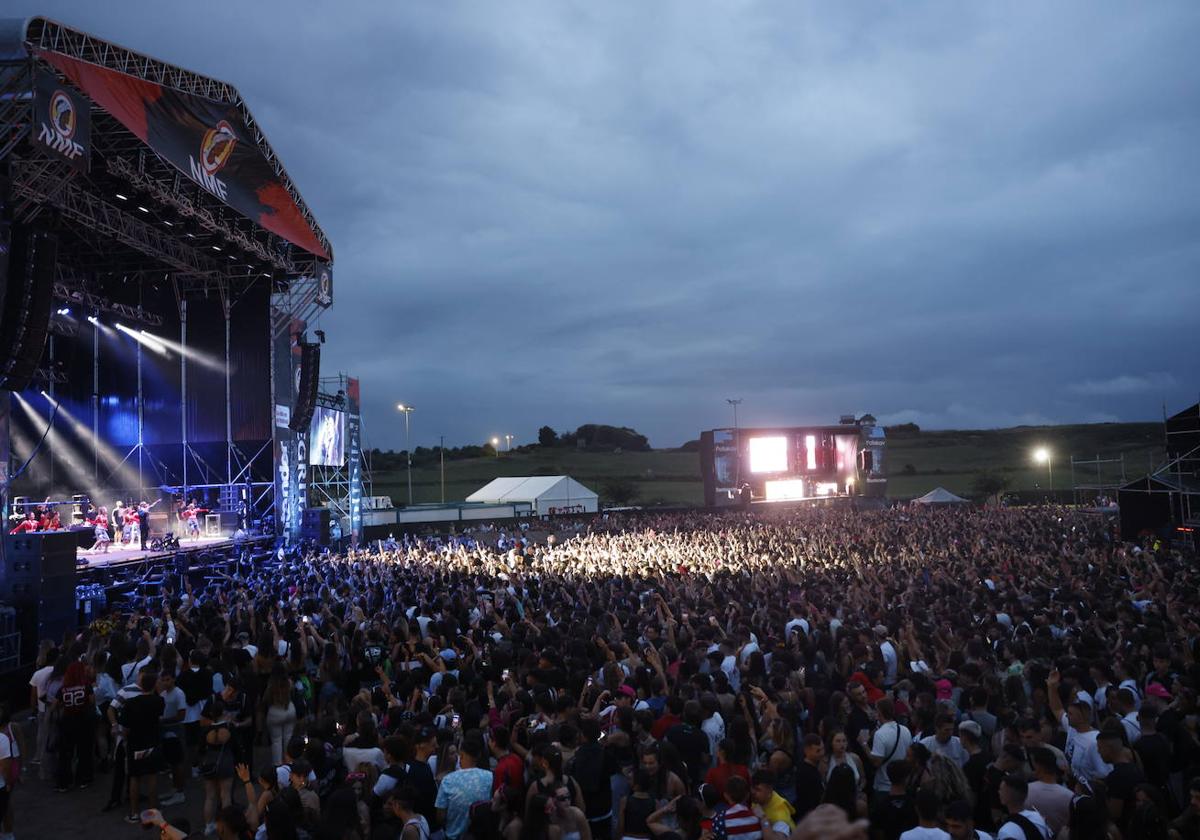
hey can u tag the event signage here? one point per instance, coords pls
(324, 285)
(354, 442)
(208, 141)
(283, 416)
(61, 121)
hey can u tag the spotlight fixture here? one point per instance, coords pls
(320, 335)
(66, 310)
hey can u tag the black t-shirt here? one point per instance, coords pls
(140, 717)
(420, 776)
(810, 788)
(692, 745)
(1155, 753)
(894, 816)
(1121, 782)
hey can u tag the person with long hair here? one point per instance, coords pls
(537, 825)
(279, 712)
(841, 789)
(217, 721)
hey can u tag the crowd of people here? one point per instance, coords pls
(803, 673)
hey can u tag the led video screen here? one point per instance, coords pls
(326, 438)
(768, 454)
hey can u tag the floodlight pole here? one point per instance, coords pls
(737, 477)
(442, 458)
(408, 452)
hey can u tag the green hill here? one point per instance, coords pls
(916, 463)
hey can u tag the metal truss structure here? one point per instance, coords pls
(133, 217)
(330, 486)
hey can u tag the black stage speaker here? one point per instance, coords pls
(25, 318)
(310, 377)
(39, 580)
(39, 555)
(315, 525)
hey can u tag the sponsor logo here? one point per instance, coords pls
(215, 150)
(60, 133)
(301, 500)
(324, 288)
(285, 489)
(283, 416)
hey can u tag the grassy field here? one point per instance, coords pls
(916, 464)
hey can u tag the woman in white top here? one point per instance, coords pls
(838, 754)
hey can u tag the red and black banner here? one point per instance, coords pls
(206, 140)
(62, 121)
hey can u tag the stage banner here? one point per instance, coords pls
(324, 285)
(291, 449)
(206, 140)
(354, 443)
(62, 121)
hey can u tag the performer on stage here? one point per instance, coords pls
(29, 523)
(143, 522)
(129, 520)
(102, 538)
(191, 519)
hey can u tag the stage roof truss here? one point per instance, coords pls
(48, 35)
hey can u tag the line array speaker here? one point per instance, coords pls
(306, 400)
(25, 318)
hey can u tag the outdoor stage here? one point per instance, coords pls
(120, 556)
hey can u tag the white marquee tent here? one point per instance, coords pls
(547, 493)
(940, 496)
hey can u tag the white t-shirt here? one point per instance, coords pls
(794, 623)
(175, 702)
(920, 833)
(8, 749)
(38, 681)
(129, 671)
(891, 661)
(1083, 754)
(952, 749)
(891, 739)
(1011, 831)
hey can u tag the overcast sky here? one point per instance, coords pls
(959, 214)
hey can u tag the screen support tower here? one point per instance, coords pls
(341, 488)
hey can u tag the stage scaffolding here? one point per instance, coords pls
(135, 215)
(334, 487)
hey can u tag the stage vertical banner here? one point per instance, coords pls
(354, 445)
(291, 449)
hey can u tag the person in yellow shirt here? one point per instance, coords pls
(777, 814)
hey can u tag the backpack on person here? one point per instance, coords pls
(1031, 831)
(302, 696)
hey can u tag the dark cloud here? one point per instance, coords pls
(623, 212)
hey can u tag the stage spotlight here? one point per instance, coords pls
(93, 320)
(190, 353)
(320, 335)
(66, 310)
(144, 340)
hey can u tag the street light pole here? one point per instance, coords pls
(442, 454)
(735, 404)
(407, 410)
(496, 447)
(508, 443)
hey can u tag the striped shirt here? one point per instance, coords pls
(737, 821)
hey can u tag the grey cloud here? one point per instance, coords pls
(621, 212)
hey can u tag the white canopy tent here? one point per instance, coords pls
(940, 496)
(548, 494)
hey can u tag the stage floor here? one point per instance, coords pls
(118, 555)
